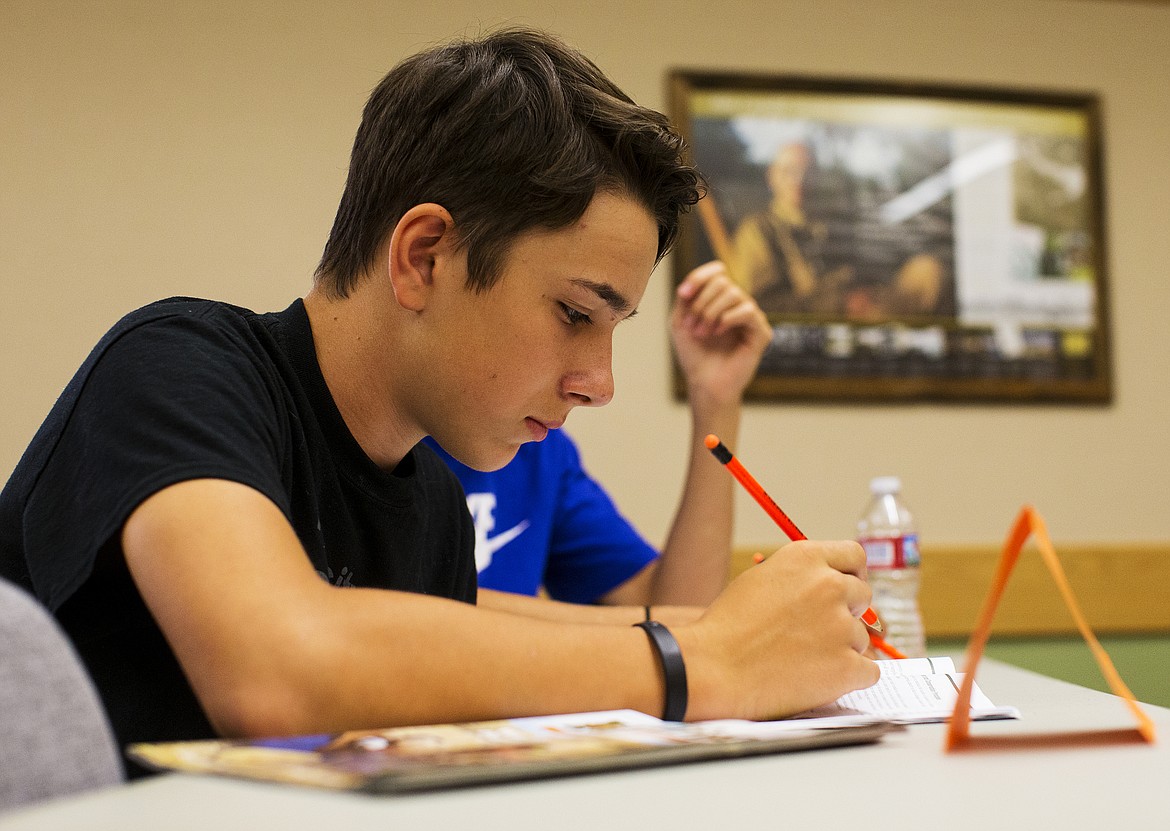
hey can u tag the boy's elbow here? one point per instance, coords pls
(259, 709)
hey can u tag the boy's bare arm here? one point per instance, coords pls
(556, 610)
(719, 335)
(270, 648)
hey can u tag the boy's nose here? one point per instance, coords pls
(591, 384)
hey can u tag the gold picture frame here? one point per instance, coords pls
(908, 242)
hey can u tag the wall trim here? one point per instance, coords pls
(1123, 588)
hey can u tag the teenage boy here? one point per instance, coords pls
(229, 513)
(542, 522)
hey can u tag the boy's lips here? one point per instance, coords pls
(539, 429)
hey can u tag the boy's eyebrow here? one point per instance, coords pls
(612, 297)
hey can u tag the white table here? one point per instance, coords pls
(903, 782)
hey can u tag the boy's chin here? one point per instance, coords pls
(487, 460)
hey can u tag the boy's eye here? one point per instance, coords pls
(574, 317)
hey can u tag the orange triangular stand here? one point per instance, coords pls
(1030, 524)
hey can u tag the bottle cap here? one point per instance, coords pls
(885, 484)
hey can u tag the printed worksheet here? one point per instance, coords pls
(912, 691)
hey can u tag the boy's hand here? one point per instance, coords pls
(784, 637)
(719, 334)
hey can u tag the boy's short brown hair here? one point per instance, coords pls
(509, 132)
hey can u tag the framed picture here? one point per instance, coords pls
(907, 242)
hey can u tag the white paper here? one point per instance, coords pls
(911, 691)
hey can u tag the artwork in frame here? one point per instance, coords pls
(907, 241)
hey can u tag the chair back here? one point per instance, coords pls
(55, 738)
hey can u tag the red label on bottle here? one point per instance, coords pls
(891, 552)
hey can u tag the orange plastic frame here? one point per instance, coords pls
(1030, 524)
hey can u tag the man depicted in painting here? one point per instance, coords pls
(793, 261)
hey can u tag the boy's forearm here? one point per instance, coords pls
(271, 649)
(719, 335)
(613, 613)
(488, 664)
(557, 611)
(695, 559)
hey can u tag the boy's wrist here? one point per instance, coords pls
(674, 672)
(713, 403)
(704, 699)
(673, 615)
(717, 403)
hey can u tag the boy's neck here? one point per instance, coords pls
(354, 339)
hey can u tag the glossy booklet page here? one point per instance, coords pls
(405, 759)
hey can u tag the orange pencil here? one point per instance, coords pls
(725, 456)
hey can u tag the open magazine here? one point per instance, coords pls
(404, 759)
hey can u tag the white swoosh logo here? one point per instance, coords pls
(500, 540)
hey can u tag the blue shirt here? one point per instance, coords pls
(542, 521)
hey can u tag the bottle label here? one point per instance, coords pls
(891, 552)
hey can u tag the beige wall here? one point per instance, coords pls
(150, 149)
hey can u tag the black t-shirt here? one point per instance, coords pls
(185, 389)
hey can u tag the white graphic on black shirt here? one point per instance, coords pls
(482, 507)
(345, 579)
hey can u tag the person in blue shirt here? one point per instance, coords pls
(542, 522)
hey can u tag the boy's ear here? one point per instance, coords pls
(424, 236)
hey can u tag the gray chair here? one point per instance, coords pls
(54, 735)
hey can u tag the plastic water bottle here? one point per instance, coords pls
(887, 533)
